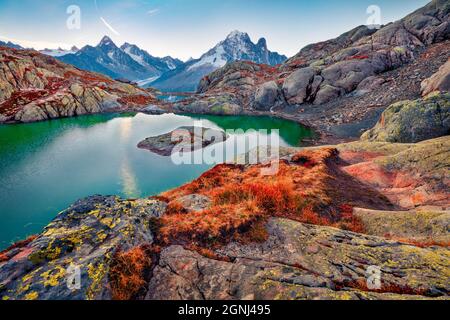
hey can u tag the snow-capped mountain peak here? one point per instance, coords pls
(237, 34)
(9, 44)
(236, 46)
(106, 42)
(134, 52)
(145, 59)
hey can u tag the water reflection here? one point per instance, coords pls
(46, 166)
(129, 182)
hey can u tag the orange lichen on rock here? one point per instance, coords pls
(304, 189)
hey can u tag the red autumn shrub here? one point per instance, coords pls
(127, 272)
(3, 257)
(174, 207)
(242, 197)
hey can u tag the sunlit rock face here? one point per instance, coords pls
(35, 87)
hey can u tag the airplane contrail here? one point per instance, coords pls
(109, 27)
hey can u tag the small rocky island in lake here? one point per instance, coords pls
(165, 143)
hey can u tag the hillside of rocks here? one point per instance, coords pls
(36, 87)
(340, 86)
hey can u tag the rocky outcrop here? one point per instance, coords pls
(410, 175)
(440, 81)
(299, 86)
(235, 75)
(425, 225)
(267, 96)
(223, 104)
(184, 139)
(36, 87)
(193, 202)
(413, 121)
(81, 242)
(339, 86)
(301, 261)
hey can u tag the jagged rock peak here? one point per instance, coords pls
(106, 41)
(237, 34)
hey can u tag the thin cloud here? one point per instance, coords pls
(152, 12)
(38, 45)
(109, 27)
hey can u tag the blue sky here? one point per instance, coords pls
(188, 28)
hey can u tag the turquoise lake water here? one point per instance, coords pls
(46, 166)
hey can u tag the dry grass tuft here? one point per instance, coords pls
(243, 199)
(127, 275)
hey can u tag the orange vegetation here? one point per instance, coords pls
(425, 243)
(136, 100)
(3, 257)
(297, 63)
(127, 275)
(358, 57)
(86, 76)
(386, 287)
(18, 245)
(243, 198)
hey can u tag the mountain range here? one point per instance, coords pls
(59, 52)
(9, 44)
(131, 63)
(127, 62)
(237, 46)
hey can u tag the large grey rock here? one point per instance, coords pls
(266, 96)
(327, 93)
(194, 202)
(348, 74)
(413, 121)
(84, 236)
(223, 103)
(440, 81)
(297, 86)
(370, 84)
